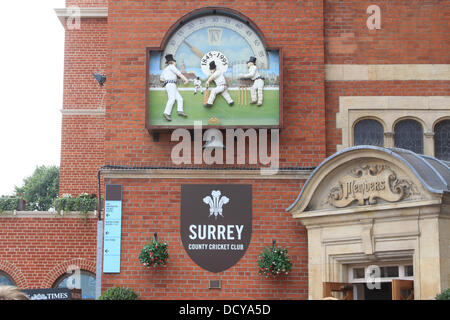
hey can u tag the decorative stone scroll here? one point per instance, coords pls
(368, 183)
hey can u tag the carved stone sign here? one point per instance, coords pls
(368, 183)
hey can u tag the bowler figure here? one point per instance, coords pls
(169, 77)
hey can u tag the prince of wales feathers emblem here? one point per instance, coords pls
(216, 203)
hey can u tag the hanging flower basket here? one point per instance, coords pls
(154, 253)
(274, 261)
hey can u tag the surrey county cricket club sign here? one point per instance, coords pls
(214, 68)
(216, 224)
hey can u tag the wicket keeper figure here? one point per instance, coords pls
(198, 85)
(257, 90)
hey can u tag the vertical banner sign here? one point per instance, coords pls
(113, 228)
(216, 224)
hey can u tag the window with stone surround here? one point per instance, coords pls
(368, 132)
(408, 134)
(389, 111)
(442, 140)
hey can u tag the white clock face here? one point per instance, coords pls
(233, 39)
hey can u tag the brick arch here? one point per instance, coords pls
(61, 269)
(15, 273)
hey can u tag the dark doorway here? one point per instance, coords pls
(384, 293)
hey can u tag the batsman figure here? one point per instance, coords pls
(221, 86)
(169, 77)
(257, 90)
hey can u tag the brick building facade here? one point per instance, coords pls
(337, 71)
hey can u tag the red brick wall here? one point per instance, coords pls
(35, 252)
(82, 142)
(135, 25)
(310, 33)
(82, 153)
(331, 31)
(154, 206)
(85, 54)
(412, 31)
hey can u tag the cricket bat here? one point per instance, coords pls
(197, 52)
(206, 97)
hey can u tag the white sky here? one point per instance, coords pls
(31, 88)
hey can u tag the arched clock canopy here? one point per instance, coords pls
(214, 30)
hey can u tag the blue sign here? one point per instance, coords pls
(112, 230)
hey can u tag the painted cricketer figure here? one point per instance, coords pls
(257, 90)
(221, 85)
(198, 85)
(169, 77)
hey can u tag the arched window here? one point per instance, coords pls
(85, 282)
(368, 132)
(6, 280)
(408, 134)
(442, 140)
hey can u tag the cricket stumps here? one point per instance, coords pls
(242, 95)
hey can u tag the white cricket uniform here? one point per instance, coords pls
(257, 90)
(221, 87)
(198, 86)
(170, 74)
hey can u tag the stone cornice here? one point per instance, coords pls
(410, 210)
(47, 214)
(366, 209)
(83, 112)
(216, 174)
(64, 13)
(386, 72)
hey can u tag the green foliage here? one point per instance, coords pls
(41, 188)
(119, 293)
(267, 114)
(445, 295)
(154, 254)
(66, 203)
(274, 261)
(83, 203)
(8, 204)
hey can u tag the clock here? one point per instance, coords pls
(226, 39)
(215, 36)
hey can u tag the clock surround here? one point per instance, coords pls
(209, 24)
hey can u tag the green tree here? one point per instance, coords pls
(41, 188)
(444, 295)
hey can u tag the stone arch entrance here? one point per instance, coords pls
(372, 206)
